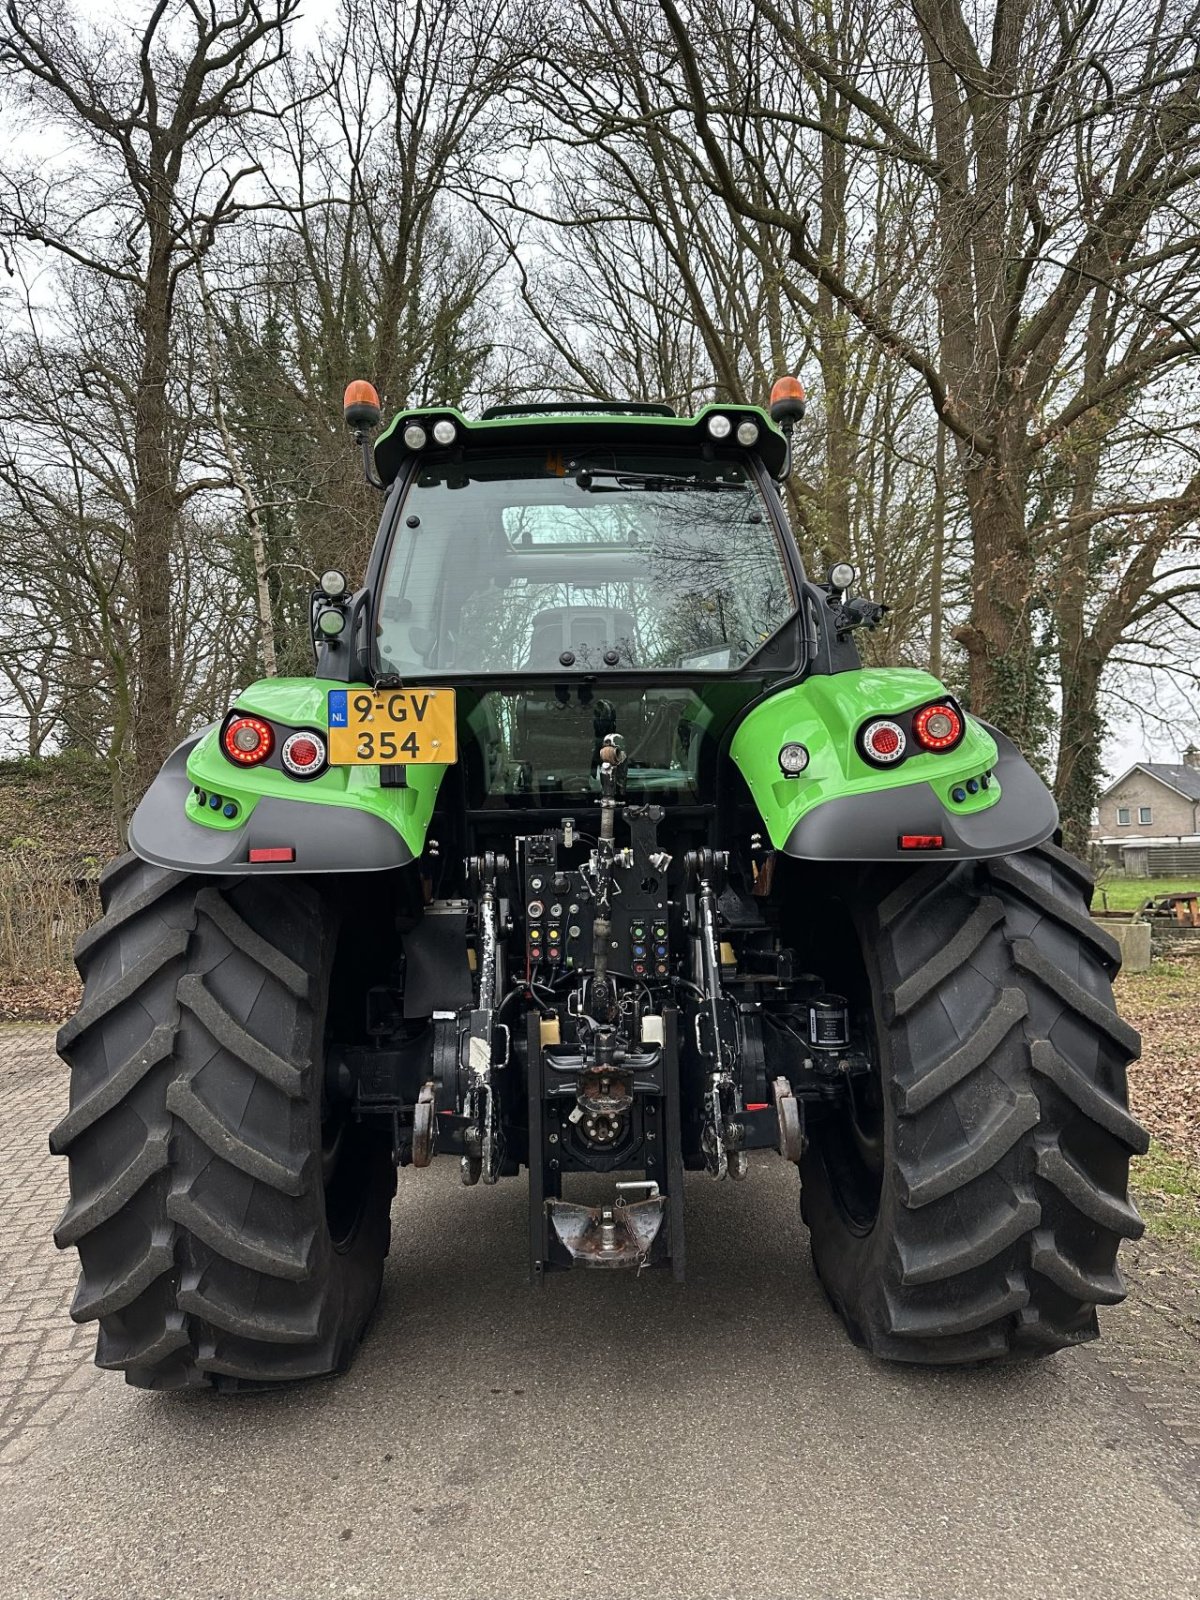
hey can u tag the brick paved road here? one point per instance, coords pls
(45, 1360)
(605, 1440)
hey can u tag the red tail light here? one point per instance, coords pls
(273, 852)
(883, 741)
(247, 741)
(922, 841)
(303, 754)
(937, 727)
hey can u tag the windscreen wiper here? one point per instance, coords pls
(623, 479)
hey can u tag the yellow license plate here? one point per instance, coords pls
(389, 727)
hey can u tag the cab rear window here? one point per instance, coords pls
(629, 562)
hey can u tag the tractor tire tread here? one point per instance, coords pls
(197, 1194)
(1004, 1195)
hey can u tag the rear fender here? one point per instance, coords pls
(841, 808)
(341, 821)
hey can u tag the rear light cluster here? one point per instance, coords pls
(937, 728)
(303, 754)
(884, 742)
(248, 741)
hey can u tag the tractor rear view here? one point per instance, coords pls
(591, 850)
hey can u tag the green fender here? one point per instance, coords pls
(843, 808)
(341, 821)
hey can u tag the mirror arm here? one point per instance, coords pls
(788, 427)
(362, 438)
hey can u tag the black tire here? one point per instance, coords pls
(219, 1242)
(986, 1220)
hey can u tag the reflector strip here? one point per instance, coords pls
(274, 852)
(759, 1105)
(922, 841)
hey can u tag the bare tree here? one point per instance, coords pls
(648, 282)
(67, 501)
(368, 264)
(149, 173)
(1046, 147)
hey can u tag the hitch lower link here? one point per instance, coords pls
(718, 1037)
(487, 1041)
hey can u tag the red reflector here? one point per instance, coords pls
(883, 741)
(759, 1105)
(921, 841)
(274, 852)
(304, 752)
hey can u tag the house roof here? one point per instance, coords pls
(1184, 780)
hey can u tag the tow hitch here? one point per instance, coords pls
(624, 1234)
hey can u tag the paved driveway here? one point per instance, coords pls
(609, 1438)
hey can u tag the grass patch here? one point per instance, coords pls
(1165, 986)
(1127, 894)
(1167, 1191)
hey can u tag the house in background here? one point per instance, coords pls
(1149, 819)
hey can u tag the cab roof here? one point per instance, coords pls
(573, 424)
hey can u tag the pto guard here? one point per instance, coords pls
(341, 821)
(841, 808)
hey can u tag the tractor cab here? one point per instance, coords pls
(577, 590)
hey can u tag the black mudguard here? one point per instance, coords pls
(867, 827)
(325, 838)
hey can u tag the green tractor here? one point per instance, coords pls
(590, 849)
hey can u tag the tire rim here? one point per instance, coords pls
(866, 1125)
(853, 1140)
(342, 1176)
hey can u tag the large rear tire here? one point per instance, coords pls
(229, 1231)
(979, 1213)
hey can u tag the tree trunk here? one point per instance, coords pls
(245, 488)
(1005, 684)
(832, 327)
(1077, 779)
(154, 520)
(937, 572)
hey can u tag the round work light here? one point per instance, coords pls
(793, 758)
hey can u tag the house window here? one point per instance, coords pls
(1122, 816)
(1145, 814)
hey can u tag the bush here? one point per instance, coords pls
(41, 916)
